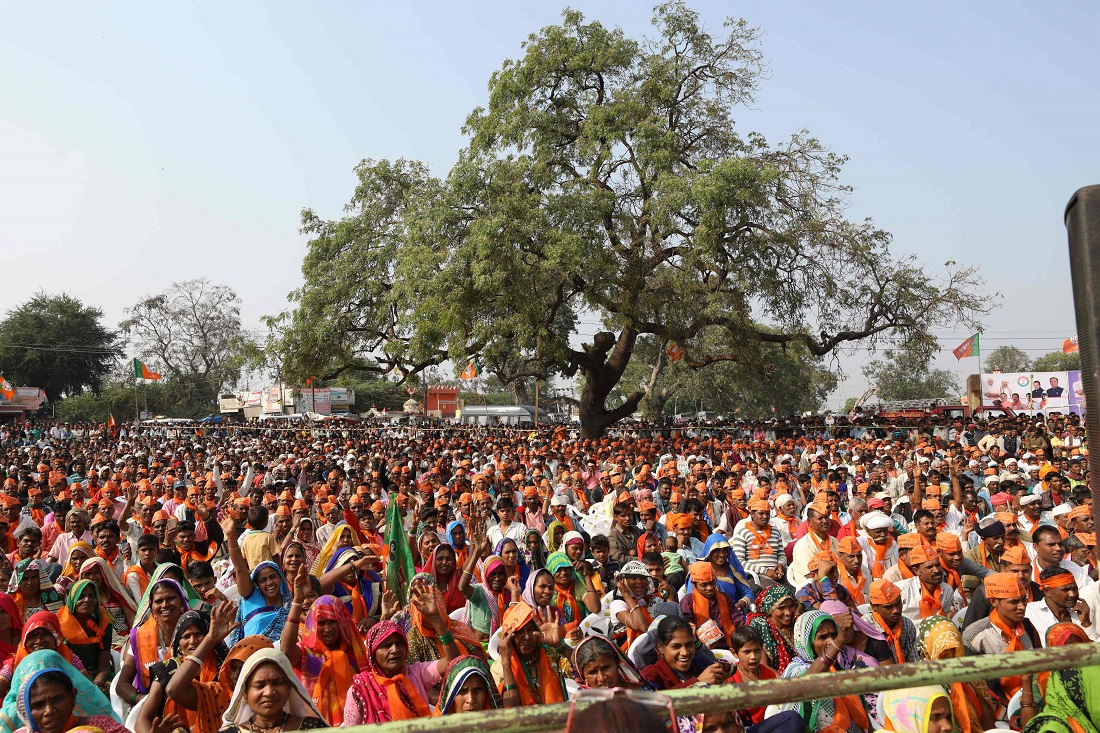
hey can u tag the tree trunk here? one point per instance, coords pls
(519, 391)
(602, 371)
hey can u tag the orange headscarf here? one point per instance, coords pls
(540, 688)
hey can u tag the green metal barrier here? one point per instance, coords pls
(532, 719)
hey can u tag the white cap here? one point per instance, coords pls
(876, 520)
(559, 500)
(1060, 510)
(1029, 499)
(783, 500)
(973, 464)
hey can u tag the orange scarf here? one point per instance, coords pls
(904, 569)
(631, 634)
(333, 683)
(77, 633)
(965, 704)
(547, 681)
(143, 577)
(879, 565)
(1011, 636)
(761, 543)
(847, 710)
(563, 598)
(987, 561)
(110, 558)
(398, 709)
(952, 578)
(893, 636)
(194, 555)
(931, 604)
(700, 607)
(148, 641)
(854, 584)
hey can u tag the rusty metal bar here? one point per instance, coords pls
(533, 719)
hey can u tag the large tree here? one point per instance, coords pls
(905, 372)
(1056, 361)
(1007, 359)
(57, 343)
(606, 179)
(192, 334)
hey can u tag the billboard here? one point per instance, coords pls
(1031, 392)
(315, 400)
(273, 402)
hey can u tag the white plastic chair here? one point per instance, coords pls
(959, 616)
(120, 707)
(135, 711)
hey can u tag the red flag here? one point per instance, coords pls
(966, 348)
(675, 353)
(1069, 346)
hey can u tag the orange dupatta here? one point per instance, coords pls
(878, 567)
(700, 608)
(1011, 637)
(547, 691)
(893, 636)
(931, 604)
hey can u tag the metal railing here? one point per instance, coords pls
(692, 701)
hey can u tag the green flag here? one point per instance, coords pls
(399, 560)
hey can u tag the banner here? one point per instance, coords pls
(1032, 392)
(399, 560)
(273, 399)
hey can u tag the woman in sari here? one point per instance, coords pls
(539, 594)
(425, 643)
(515, 566)
(1072, 703)
(330, 653)
(390, 688)
(304, 534)
(11, 628)
(268, 696)
(426, 541)
(45, 675)
(938, 638)
(496, 583)
(731, 577)
(530, 670)
(816, 641)
(265, 600)
(41, 632)
(115, 597)
(351, 578)
(917, 710)
(150, 641)
(467, 688)
(77, 555)
(87, 630)
(196, 693)
(1058, 635)
(32, 590)
(634, 603)
(191, 631)
(294, 556)
(574, 595)
(343, 536)
(599, 663)
(441, 566)
(555, 533)
(534, 552)
(169, 571)
(777, 608)
(648, 542)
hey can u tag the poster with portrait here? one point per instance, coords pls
(1033, 392)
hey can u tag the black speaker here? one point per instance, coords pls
(1083, 226)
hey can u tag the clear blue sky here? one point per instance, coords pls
(142, 143)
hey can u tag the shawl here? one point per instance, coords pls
(360, 598)
(42, 620)
(740, 587)
(89, 700)
(51, 599)
(452, 596)
(1058, 635)
(503, 599)
(327, 673)
(212, 697)
(458, 672)
(1072, 703)
(907, 711)
(258, 618)
(329, 550)
(939, 638)
(145, 637)
(161, 573)
(89, 632)
(779, 649)
(378, 698)
(528, 595)
(830, 715)
(550, 531)
(298, 704)
(568, 601)
(522, 568)
(119, 593)
(70, 570)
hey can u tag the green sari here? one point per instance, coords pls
(1072, 703)
(89, 699)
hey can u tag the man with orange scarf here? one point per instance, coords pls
(853, 573)
(950, 550)
(1005, 629)
(902, 570)
(926, 594)
(529, 669)
(704, 603)
(886, 616)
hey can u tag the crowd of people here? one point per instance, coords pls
(236, 580)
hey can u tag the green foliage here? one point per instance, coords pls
(850, 404)
(605, 177)
(1056, 361)
(171, 399)
(191, 333)
(906, 373)
(57, 343)
(1007, 359)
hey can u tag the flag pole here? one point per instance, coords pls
(137, 414)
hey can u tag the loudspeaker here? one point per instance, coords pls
(1083, 226)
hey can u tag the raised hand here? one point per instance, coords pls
(167, 724)
(422, 597)
(390, 604)
(223, 620)
(301, 584)
(552, 632)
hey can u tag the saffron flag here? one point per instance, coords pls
(399, 560)
(470, 372)
(967, 348)
(674, 352)
(110, 420)
(142, 372)
(1069, 346)
(6, 389)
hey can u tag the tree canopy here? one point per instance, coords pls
(1007, 359)
(57, 343)
(1056, 361)
(906, 373)
(606, 179)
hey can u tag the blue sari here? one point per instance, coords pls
(735, 590)
(521, 561)
(256, 617)
(369, 583)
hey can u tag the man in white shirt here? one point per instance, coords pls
(1050, 551)
(816, 540)
(1061, 604)
(925, 594)
(507, 527)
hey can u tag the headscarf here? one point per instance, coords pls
(908, 711)
(119, 593)
(1058, 635)
(327, 673)
(89, 699)
(452, 596)
(528, 595)
(570, 601)
(298, 704)
(308, 551)
(1072, 703)
(779, 650)
(69, 570)
(379, 698)
(7, 605)
(327, 552)
(42, 620)
(360, 596)
(253, 613)
(424, 645)
(540, 688)
(550, 544)
(458, 671)
(159, 574)
(91, 631)
(939, 638)
(537, 559)
(740, 587)
(145, 638)
(213, 697)
(51, 599)
(841, 712)
(522, 569)
(628, 673)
